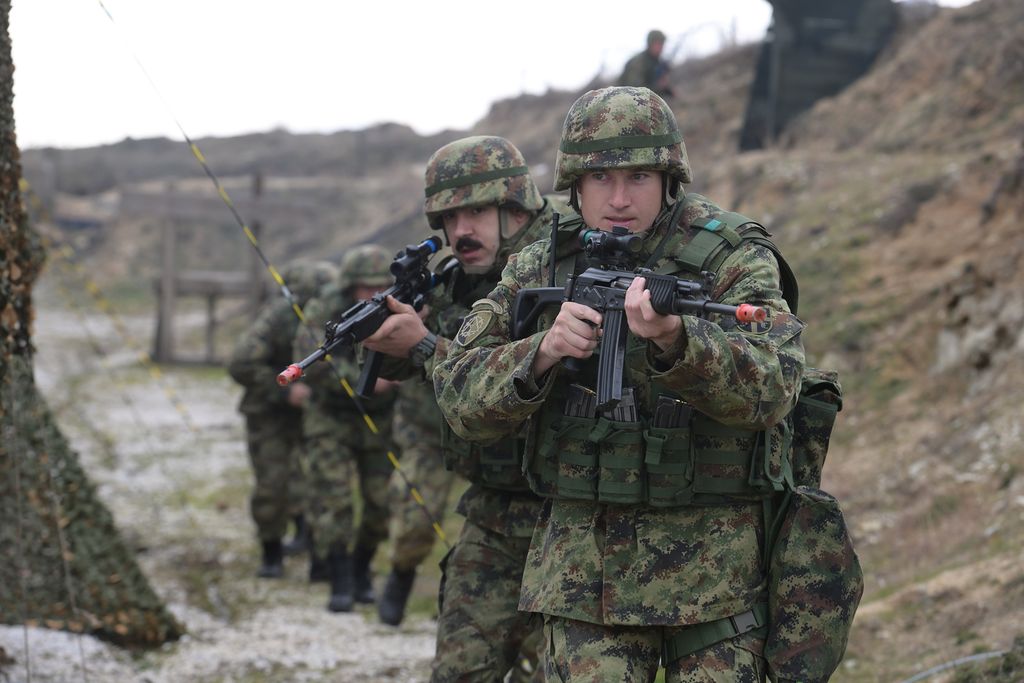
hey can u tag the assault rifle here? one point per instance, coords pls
(603, 288)
(412, 282)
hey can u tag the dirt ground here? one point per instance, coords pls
(168, 458)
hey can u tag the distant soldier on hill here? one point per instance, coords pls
(273, 424)
(647, 68)
(340, 448)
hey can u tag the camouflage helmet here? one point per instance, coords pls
(655, 36)
(620, 127)
(478, 171)
(304, 278)
(368, 265)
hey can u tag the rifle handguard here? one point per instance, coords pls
(289, 375)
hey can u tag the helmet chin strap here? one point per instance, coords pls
(671, 191)
(503, 223)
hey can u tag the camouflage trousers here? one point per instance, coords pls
(341, 461)
(411, 531)
(274, 449)
(480, 631)
(578, 652)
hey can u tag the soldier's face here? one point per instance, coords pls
(473, 234)
(620, 196)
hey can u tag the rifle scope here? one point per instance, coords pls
(411, 258)
(608, 245)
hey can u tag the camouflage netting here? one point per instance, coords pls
(65, 565)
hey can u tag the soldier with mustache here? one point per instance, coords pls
(480, 193)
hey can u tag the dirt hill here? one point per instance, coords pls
(899, 203)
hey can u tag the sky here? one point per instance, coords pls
(229, 67)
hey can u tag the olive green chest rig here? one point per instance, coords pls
(654, 449)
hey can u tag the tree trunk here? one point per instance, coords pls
(65, 565)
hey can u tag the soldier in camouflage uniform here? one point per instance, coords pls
(479, 191)
(647, 68)
(652, 545)
(340, 448)
(273, 424)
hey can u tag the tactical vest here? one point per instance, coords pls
(667, 454)
(814, 578)
(494, 465)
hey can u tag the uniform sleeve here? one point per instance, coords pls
(250, 363)
(634, 73)
(484, 386)
(743, 374)
(403, 368)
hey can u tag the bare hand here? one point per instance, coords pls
(402, 330)
(645, 322)
(298, 394)
(574, 334)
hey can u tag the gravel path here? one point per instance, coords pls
(177, 482)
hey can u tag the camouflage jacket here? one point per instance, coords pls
(644, 69)
(635, 565)
(510, 514)
(329, 397)
(263, 351)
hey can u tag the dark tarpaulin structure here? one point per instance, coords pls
(814, 49)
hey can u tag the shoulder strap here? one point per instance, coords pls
(722, 233)
(790, 288)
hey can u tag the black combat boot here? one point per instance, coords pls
(361, 574)
(318, 571)
(317, 565)
(339, 565)
(272, 565)
(396, 594)
(300, 541)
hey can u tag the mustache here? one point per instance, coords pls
(467, 243)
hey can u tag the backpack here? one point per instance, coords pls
(815, 581)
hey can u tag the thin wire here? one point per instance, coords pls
(953, 664)
(222, 193)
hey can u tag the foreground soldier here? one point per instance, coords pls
(340, 448)
(480, 193)
(273, 425)
(652, 547)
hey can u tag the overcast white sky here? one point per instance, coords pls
(226, 67)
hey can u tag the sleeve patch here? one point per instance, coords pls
(479, 321)
(757, 328)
